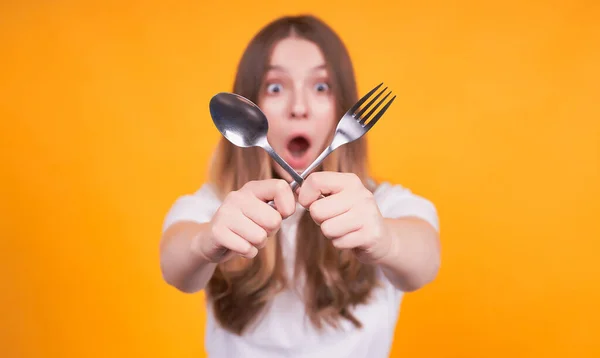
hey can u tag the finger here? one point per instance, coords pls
(341, 225)
(237, 244)
(227, 255)
(248, 229)
(325, 183)
(351, 240)
(330, 207)
(277, 190)
(261, 214)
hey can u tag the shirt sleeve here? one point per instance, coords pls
(395, 201)
(199, 207)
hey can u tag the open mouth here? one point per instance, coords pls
(298, 146)
(298, 152)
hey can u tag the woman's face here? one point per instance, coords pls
(298, 103)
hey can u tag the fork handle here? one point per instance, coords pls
(314, 164)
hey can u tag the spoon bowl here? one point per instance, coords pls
(242, 123)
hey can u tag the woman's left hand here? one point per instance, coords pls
(348, 215)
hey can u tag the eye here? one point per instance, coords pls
(322, 87)
(274, 88)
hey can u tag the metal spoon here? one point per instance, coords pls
(245, 125)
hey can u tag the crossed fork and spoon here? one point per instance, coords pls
(243, 123)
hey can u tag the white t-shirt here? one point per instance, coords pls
(284, 330)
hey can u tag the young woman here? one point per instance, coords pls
(315, 277)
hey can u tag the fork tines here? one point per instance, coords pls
(359, 115)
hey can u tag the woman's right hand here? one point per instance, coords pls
(244, 220)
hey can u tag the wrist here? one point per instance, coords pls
(389, 248)
(197, 244)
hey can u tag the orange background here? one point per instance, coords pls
(104, 109)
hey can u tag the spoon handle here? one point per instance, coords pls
(297, 178)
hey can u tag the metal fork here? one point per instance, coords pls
(353, 125)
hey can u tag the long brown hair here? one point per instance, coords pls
(334, 280)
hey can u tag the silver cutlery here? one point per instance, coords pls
(243, 123)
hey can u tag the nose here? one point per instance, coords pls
(299, 108)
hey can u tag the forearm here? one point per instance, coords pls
(414, 256)
(182, 266)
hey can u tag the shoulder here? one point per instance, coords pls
(199, 206)
(396, 201)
